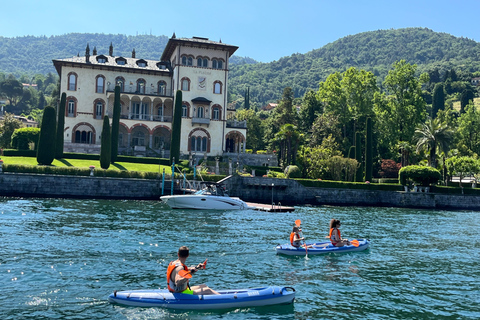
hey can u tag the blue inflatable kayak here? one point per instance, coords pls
(320, 248)
(226, 299)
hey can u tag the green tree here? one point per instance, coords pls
(247, 98)
(255, 130)
(60, 127)
(117, 109)
(106, 144)
(432, 135)
(467, 133)
(288, 140)
(465, 98)
(369, 151)
(46, 141)
(438, 99)
(7, 127)
(358, 157)
(310, 109)
(176, 128)
(12, 89)
(400, 111)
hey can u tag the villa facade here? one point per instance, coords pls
(196, 66)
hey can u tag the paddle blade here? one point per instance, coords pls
(354, 243)
(185, 274)
(298, 222)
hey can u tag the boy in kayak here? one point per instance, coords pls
(335, 236)
(178, 275)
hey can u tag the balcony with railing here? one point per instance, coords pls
(143, 91)
(200, 121)
(143, 117)
(232, 123)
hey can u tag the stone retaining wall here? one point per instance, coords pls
(251, 189)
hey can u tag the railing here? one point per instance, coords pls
(143, 117)
(200, 121)
(146, 91)
(237, 124)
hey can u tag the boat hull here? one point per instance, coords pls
(202, 202)
(320, 248)
(241, 298)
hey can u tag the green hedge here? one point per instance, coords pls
(74, 171)
(420, 175)
(348, 185)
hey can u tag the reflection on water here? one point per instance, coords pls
(61, 258)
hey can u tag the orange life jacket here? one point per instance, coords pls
(292, 238)
(170, 283)
(331, 233)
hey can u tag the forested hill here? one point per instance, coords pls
(373, 51)
(32, 55)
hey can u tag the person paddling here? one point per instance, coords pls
(179, 275)
(295, 238)
(335, 236)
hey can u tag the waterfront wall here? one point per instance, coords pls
(251, 189)
(53, 186)
(290, 192)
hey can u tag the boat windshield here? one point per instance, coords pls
(211, 190)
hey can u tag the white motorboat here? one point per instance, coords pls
(212, 197)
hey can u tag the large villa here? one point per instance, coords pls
(196, 66)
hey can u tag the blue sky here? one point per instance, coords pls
(264, 30)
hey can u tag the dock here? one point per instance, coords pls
(269, 207)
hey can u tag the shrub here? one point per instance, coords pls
(423, 176)
(21, 138)
(293, 172)
(389, 168)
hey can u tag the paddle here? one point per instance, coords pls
(298, 222)
(355, 243)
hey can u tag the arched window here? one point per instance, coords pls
(120, 81)
(72, 81)
(215, 113)
(100, 84)
(98, 109)
(187, 61)
(217, 64)
(138, 138)
(141, 86)
(184, 111)
(83, 136)
(162, 88)
(202, 62)
(185, 84)
(71, 107)
(217, 87)
(198, 143)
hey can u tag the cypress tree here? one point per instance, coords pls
(117, 108)
(106, 147)
(351, 152)
(369, 151)
(438, 99)
(46, 141)
(176, 128)
(358, 157)
(60, 127)
(465, 98)
(247, 98)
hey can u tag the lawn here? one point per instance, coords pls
(127, 166)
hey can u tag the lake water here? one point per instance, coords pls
(61, 258)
